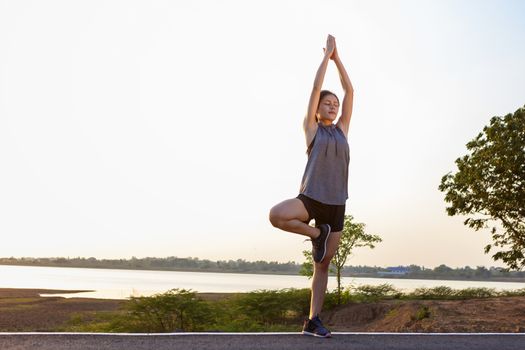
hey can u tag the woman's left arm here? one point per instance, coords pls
(348, 101)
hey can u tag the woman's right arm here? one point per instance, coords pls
(310, 121)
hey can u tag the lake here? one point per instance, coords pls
(121, 284)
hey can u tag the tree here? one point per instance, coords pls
(489, 186)
(482, 272)
(353, 236)
(443, 270)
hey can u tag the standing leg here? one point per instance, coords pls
(320, 277)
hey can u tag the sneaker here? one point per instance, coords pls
(314, 327)
(319, 243)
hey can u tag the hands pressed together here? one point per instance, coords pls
(331, 49)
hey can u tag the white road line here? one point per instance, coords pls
(257, 334)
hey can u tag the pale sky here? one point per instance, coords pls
(170, 128)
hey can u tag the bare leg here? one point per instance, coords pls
(320, 277)
(290, 215)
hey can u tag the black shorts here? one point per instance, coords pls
(333, 215)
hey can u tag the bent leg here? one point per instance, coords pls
(290, 216)
(320, 277)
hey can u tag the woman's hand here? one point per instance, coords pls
(330, 48)
(335, 55)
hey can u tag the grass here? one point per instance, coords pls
(422, 313)
(7, 301)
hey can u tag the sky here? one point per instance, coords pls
(170, 128)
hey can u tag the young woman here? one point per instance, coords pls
(324, 187)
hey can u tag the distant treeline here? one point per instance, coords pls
(463, 273)
(292, 268)
(171, 263)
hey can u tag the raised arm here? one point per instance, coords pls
(310, 121)
(348, 101)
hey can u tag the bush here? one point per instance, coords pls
(369, 293)
(469, 293)
(440, 292)
(331, 299)
(447, 293)
(263, 306)
(513, 293)
(298, 301)
(269, 307)
(174, 310)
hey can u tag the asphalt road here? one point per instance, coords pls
(216, 341)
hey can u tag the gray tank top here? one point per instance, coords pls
(325, 178)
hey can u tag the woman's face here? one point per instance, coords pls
(328, 108)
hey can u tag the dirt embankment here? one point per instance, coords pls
(25, 310)
(502, 314)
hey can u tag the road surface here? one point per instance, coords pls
(230, 341)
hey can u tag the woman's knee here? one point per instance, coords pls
(287, 210)
(330, 253)
(323, 266)
(275, 216)
(333, 245)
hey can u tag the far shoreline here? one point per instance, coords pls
(384, 277)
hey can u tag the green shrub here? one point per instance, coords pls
(333, 299)
(447, 293)
(298, 301)
(263, 306)
(369, 293)
(421, 313)
(440, 292)
(470, 293)
(513, 293)
(269, 307)
(174, 310)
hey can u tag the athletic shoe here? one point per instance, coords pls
(314, 327)
(319, 243)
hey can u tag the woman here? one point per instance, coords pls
(324, 187)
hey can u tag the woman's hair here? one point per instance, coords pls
(323, 94)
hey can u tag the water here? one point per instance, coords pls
(121, 284)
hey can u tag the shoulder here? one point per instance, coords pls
(341, 128)
(309, 134)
